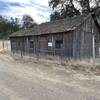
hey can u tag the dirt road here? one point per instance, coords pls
(20, 81)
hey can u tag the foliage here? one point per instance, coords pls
(28, 21)
(65, 8)
(89, 6)
(8, 26)
(70, 8)
(55, 16)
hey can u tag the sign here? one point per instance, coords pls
(50, 44)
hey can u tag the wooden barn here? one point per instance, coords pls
(71, 37)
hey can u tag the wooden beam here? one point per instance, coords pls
(93, 48)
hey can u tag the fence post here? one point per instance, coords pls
(3, 44)
(93, 50)
(37, 51)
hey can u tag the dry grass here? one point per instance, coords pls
(79, 65)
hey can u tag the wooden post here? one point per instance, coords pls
(3, 44)
(82, 45)
(27, 45)
(93, 50)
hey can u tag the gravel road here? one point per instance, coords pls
(20, 81)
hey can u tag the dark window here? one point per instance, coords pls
(18, 43)
(59, 44)
(31, 44)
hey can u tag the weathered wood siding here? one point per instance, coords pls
(22, 44)
(75, 44)
(83, 39)
(43, 43)
(16, 44)
(68, 44)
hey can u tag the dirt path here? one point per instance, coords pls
(34, 81)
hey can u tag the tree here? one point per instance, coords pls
(55, 16)
(7, 27)
(90, 6)
(85, 5)
(13, 25)
(28, 21)
(65, 8)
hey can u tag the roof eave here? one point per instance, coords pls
(68, 30)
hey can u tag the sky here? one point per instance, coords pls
(38, 9)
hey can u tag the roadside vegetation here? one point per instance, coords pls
(8, 26)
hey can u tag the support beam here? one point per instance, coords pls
(27, 45)
(82, 45)
(93, 49)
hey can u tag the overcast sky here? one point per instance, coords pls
(38, 9)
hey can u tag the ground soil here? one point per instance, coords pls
(41, 80)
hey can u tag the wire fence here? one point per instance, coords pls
(41, 53)
(84, 52)
(60, 55)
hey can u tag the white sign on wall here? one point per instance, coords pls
(50, 44)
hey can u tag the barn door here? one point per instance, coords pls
(43, 45)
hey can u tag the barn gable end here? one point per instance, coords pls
(83, 47)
